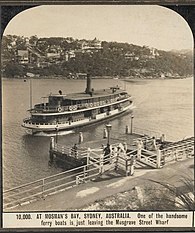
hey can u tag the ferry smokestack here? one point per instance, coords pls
(88, 88)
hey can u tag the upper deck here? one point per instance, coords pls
(79, 101)
(93, 95)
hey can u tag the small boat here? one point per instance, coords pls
(69, 111)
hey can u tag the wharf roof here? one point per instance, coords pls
(96, 94)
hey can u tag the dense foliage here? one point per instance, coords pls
(113, 59)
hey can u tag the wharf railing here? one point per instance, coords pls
(148, 158)
(97, 164)
(41, 188)
(64, 150)
(178, 150)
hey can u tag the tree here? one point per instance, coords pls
(12, 70)
(33, 40)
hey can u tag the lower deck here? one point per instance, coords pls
(73, 121)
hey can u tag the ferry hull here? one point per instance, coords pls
(49, 130)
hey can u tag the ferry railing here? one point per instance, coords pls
(26, 119)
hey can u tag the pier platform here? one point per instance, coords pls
(129, 156)
(148, 150)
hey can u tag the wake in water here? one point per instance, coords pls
(53, 134)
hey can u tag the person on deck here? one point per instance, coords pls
(107, 151)
(75, 150)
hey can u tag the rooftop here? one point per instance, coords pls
(96, 94)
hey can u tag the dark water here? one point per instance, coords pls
(161, 105)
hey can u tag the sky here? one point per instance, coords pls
(153, 26)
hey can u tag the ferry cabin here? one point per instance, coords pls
(78, 106)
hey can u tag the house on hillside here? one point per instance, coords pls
(97, 44)
(81, 75)
(53, 55)
(77, 76)
(22, 56)
(90, 46)
(31, 55)
(130, 56)
(154, 53)
(69, 54)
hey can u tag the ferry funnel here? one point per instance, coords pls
(88, 88)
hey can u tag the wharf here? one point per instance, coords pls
(128, 138)
(71, 156)
(65, 156)
(132, 155)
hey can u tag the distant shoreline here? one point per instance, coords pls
(98, 77)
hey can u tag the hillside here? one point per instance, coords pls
(66, 57)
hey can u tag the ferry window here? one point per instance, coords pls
(66, 102)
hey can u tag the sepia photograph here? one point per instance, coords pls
(97, 117)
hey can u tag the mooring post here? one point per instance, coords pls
(158, 159)
(52, 146)
(105, 133)
(127, 129)
(80, 137)
(52, 143)
(108, 127)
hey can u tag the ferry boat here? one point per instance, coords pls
(68, 111)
